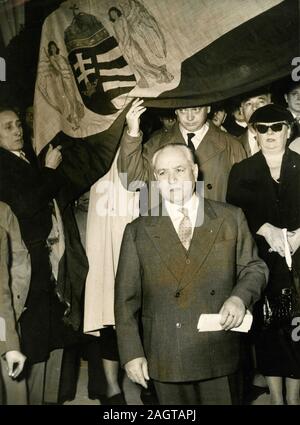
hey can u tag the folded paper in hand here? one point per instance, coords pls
(211, 322)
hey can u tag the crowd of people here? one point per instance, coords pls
(227, 246)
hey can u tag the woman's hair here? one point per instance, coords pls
(114, 9)
(52, 43)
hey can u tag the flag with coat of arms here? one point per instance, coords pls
(96, 56)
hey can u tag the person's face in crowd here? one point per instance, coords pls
(11, 133)
(29, 117)
(293, 100)
(168, 123)
(176, 174)
(192, 119)
(239, 115)
(250, 105)
(219, 117)
(272, 140)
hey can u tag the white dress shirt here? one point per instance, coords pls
(20, 154)
(199, 134)
(176, 216)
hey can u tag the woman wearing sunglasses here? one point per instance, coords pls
(267, 187)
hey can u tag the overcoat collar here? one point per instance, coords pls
(210, 146)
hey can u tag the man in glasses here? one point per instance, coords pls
(215, 150)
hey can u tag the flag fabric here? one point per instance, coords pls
(111, 207)
(96, 56)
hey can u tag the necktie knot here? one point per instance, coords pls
(184, 211)
(189, 141)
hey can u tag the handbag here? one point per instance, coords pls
(280, 310)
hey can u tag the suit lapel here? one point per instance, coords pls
(202, 242)
(210, 146)
(166, 241)
(184, 265)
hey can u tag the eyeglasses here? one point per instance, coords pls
(262, 128)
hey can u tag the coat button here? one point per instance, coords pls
(209, 186)
(178, 325)
(187, 261)
(18, 296)
(212, 292)
(177, 295)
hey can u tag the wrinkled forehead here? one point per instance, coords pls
(191, 108)
(171, 157)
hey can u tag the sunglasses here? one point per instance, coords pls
(262, 128)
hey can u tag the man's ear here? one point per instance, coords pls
(286, 98)
(289, 132)
(208, 109)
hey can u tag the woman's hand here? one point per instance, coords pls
(274, 236)
(133, 117)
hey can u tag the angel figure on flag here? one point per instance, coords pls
(56, 83)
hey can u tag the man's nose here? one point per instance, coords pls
(270, 131)
(171, 178)
(190, 115)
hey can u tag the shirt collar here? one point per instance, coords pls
(174, 210)
(199, 134)
(17, 153)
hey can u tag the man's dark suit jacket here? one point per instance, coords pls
(29, 192)
(166, 289)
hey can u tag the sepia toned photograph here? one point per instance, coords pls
(149, 205)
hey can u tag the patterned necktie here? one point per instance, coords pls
(189, 141)
(185, 229)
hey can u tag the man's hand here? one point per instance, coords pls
(274, 236)
(53, 157)
(232, 313)
(14, 357)
(133, 117)
(294, 240)
(137, 371)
